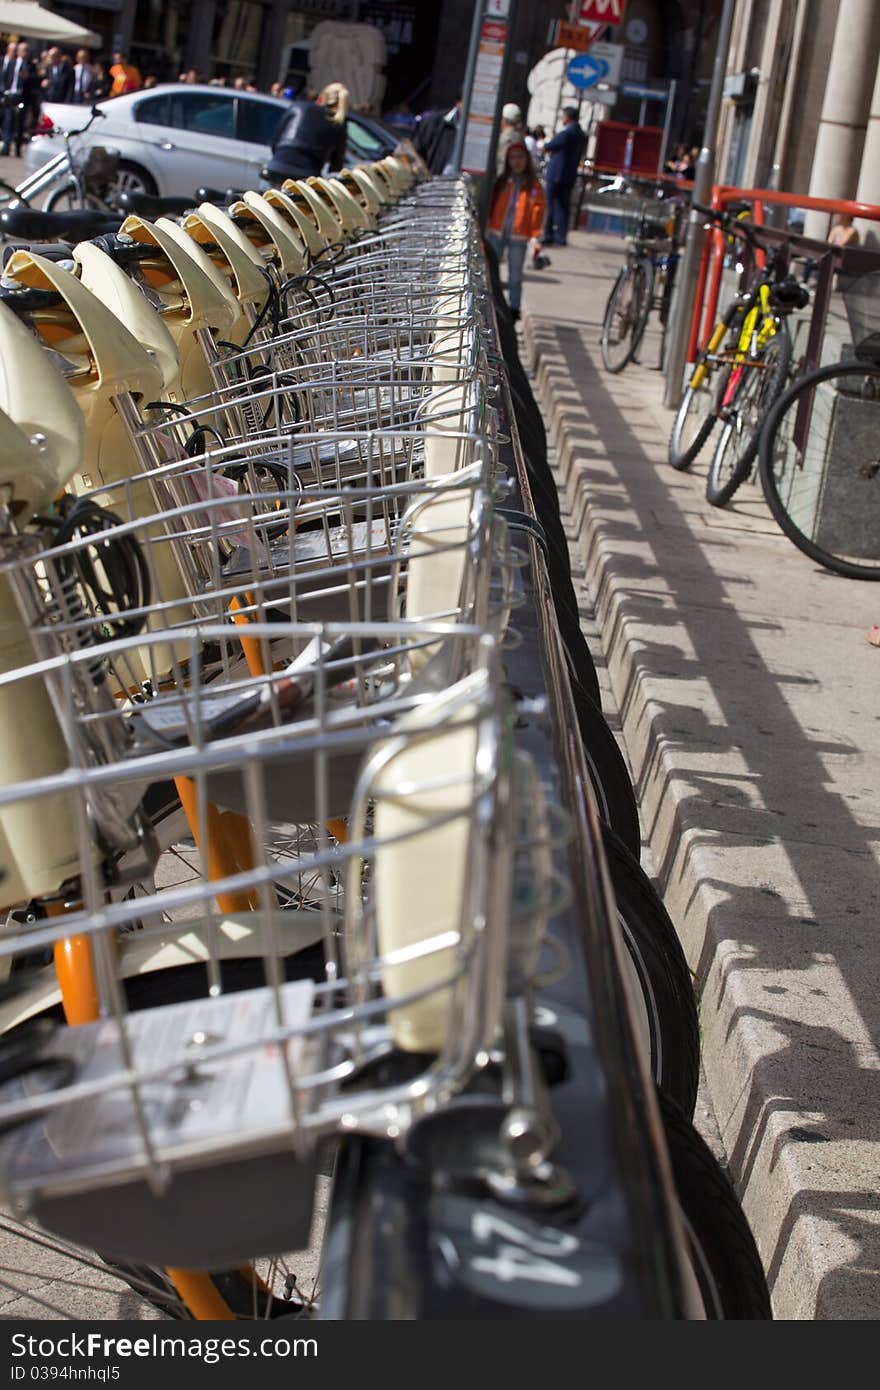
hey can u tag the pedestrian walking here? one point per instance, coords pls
(512, 129)
(516, 213)
(564, 153)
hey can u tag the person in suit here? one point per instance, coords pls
(57, 83)
(83, 78)
(21, 81)
(564, 154)
(8, 64)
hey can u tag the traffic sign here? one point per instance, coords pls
(585, 71)
(577, 37)
(638, 89)
(601, 64)
(602, 11)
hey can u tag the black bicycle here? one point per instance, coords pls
(820, 449)
(644, 283)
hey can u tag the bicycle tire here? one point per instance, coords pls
(755, 394)
(724, 1256)
(630, 282)
(608, 773)
(67, 199)
(669, 1026)
(647, 304)
(777, 469)
(684, 448)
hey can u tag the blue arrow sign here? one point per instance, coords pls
(586, 70)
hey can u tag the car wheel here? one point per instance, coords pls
(131, 178)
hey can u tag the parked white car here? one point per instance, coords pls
(176, 138)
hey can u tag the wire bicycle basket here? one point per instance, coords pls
(862, 302)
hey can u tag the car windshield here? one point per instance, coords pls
(258, 121)
(364, 140)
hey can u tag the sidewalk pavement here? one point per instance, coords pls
(748, 703)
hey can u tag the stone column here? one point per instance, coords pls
(273, 44)
(198, 42)
(845, 109)
(868, 190)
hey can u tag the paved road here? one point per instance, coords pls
(747, 697)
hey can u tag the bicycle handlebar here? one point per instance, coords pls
(97, 114)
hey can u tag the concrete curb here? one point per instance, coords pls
(762, 899)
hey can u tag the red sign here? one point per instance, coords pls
(574, 36)
(602, 11)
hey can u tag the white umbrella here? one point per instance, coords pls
(30, 21)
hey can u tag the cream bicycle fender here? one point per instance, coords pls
(36, 463)
(351, 215)
(191, 247)
(192, 302)
(100, 274)
(290, 202)
(208, 224)
(286, 247)
(329, 224)
(375, 195)
(39, 847)
(104, 361)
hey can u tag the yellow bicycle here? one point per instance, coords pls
(740, 372)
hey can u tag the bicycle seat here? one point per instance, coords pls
(790, 294)
(22, 299)
(50, 251)
(149, 206)
(31, 224)
(123, 250)
(222, 197)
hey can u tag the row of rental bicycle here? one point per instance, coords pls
(318, 857)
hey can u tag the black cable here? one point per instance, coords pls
(118, 579)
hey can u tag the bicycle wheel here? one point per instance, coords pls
(647, 266)
(667, 1020)
(696, 414)
(820, 467)
(67, 199)
(608, 773)
(628, 305)
(762, 380)
(724, 1257)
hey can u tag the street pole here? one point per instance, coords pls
(488, 183)
(689, 266)
(467, 85)
(667, 122)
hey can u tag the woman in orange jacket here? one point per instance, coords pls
(516, 215)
